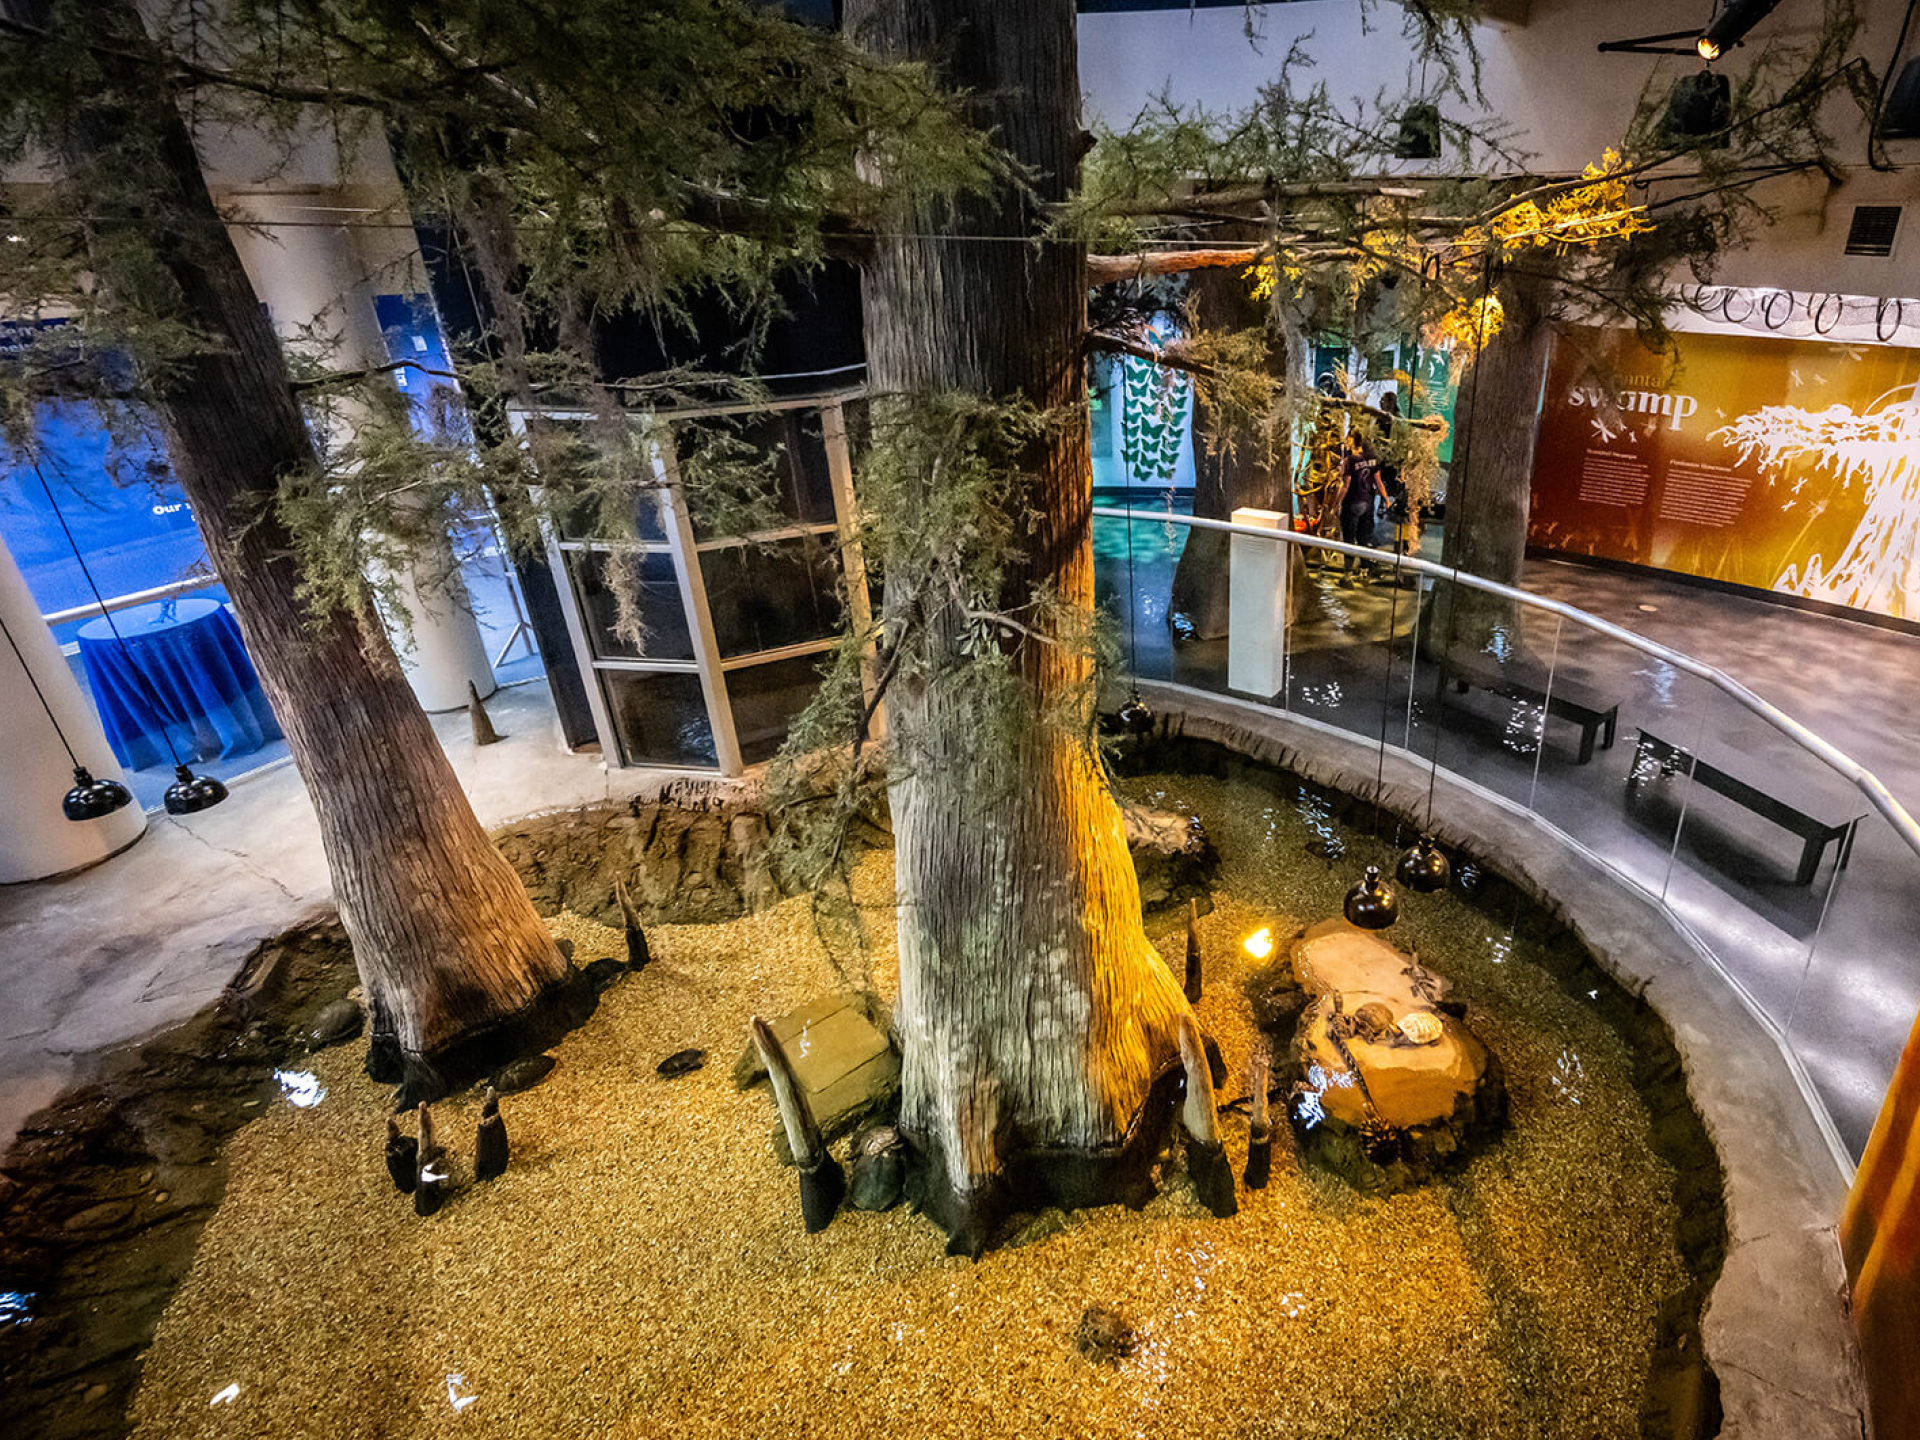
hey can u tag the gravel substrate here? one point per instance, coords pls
(640, 1269)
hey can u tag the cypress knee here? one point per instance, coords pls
(490, 1144)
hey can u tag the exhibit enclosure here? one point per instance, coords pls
(1783, 465)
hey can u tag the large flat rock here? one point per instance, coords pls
(845, 1065)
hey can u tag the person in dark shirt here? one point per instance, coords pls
(1360, 488)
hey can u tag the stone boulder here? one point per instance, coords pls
(843, 1058)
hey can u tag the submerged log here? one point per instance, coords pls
(1207, 1164)
(1259, 1130)
(430, 1186)
(1195, 980)
(403, 1158)
(637, 954)
(490, 1144)
(822, 1182)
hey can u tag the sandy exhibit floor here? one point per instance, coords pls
(640, 1270)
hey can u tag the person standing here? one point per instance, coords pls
(1361, 488)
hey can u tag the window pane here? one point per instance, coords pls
(659, 719)
(765, 699)
(764, 598)
(584, 520)
(665, 618)
(775, 461)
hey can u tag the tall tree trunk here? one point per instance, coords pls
(1038, 1024)
(1491, 484)
(459, 969)
(1238, 463)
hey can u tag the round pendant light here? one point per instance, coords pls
(89, 799)
(1136, 715)
(190, 793)
(1370, 904)
(1423, 867)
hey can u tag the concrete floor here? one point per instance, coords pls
(149, 937)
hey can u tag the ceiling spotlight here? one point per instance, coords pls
(1731, 25)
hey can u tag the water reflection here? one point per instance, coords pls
(301, 1087)
(16, 1308)
(226, 1396)
(1567, 1074)
(458, 1395)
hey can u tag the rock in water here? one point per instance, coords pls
(335, 1024)
(430, 1187)
(483, 731)
(403, 1159)
(1103, 1336)
(681, 1062)
(490, 1143)
(878, 1169)
(523, 1074)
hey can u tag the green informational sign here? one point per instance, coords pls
(1435, 387)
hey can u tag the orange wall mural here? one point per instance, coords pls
(1785, 465)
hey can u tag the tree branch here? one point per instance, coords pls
(1107, 269)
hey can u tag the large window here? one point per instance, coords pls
(722, 643)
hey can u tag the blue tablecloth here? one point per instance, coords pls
(177, 668)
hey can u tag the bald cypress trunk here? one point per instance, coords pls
(459, 969)
(1491, 485)
(1038, 1023)
(1238, 463)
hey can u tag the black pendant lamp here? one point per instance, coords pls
(1136, 715)
(1370, 904)
(1423, 867)
(190, 793)
(89, 799)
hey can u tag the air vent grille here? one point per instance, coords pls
(1872, 230)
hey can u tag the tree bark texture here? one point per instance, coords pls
(457, 965)
(1036, 1019)
(1235, 464)
(1490, 488)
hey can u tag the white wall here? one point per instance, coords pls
(1566, 101)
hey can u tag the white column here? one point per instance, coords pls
(1257, 607)
(317, 277)
(36, 839)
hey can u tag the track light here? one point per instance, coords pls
(1731, 25)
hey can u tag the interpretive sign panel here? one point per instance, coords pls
(1786, 465)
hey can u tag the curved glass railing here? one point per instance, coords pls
(1789, 865)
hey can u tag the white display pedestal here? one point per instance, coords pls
(1257, 608)
(36, 839)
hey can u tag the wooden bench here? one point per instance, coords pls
(1567, 701)
(1657, 758)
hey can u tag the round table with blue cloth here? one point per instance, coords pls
(176, 668)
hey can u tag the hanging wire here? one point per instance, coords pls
(1133, 607)
(153, 693)
(39, 695)
(1453, 592)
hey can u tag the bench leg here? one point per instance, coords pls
(1606, 735)
(1810, 854)
(1586, 742)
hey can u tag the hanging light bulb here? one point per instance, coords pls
(1136, 715)
(1423, 867)
(190, 792)
(89, 799)
(1370, 904)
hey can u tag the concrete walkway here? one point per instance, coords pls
(149, 937)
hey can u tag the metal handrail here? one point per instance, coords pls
(132, 598)
(1856, 774)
